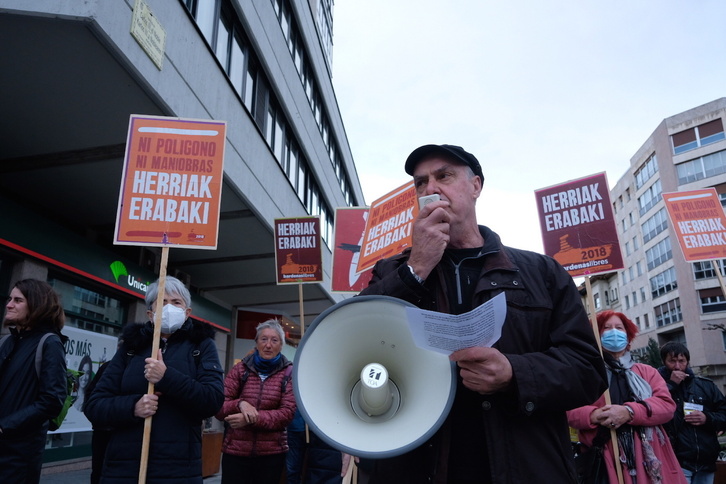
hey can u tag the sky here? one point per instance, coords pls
(541, 92)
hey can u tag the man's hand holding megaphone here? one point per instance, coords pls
(430, 237)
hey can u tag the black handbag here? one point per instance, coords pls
(590, 467)
(590, 464)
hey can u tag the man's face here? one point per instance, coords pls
(453, 182)
(676, 362)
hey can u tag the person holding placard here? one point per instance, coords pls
(188, 385)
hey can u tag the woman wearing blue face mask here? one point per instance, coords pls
(188, 384)
(641, 403)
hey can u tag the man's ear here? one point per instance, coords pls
(188, 312)
(478, 185)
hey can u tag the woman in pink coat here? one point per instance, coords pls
(641, 403)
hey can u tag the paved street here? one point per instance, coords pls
(83, 476)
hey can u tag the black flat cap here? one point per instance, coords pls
(450, 151)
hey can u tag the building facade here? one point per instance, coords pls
(76, 71)
(668, 298)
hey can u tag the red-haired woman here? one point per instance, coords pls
(641, 403)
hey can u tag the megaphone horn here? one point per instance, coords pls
(363, 386)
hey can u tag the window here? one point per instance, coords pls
(668, 313)
(654, 225)
(642, 294)
(663, 283)
(701, 135)
(90, 310)
(596, 298)
(703, 167)
(627, 248)
(639, 267)
(658, 254)
(222, 28)
(646, 321)
(614, 294)
(635, 243)
(300, 56)
(205, 13)
(704, 269)
(712, 300)
(627, 302)
(325, 27)
(649, 168)
(635, 299)
(650, 197)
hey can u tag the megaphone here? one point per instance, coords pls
(363, 386)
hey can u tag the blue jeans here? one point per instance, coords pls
(698, 477)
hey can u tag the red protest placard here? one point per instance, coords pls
(298, 251)
(172, 183)
(578, 227)
(699, 222)
(350, 224)
(388, 229)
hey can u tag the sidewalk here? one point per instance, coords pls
(80, 473)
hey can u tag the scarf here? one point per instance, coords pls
(628, 386)
(265, 366)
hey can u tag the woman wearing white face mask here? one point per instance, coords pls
(188, 384)
(641, 403)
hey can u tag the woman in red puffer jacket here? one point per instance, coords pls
(258, 406)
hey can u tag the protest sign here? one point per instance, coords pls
(298, 251)
(172, 183)
(350, 224)
(389, 225)
(699, 223)
(578, 227)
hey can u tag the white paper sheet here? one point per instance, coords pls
(446, 333)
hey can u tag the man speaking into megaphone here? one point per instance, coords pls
(507, 423)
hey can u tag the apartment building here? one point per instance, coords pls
(668, 298)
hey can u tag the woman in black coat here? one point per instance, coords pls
(188, 384)
(27, 402)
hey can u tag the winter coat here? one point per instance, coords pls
(275, 403)
(28, 403)
(321, 462)
(191, 390)
(696, 446)
(556, 365)
(659, 410)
